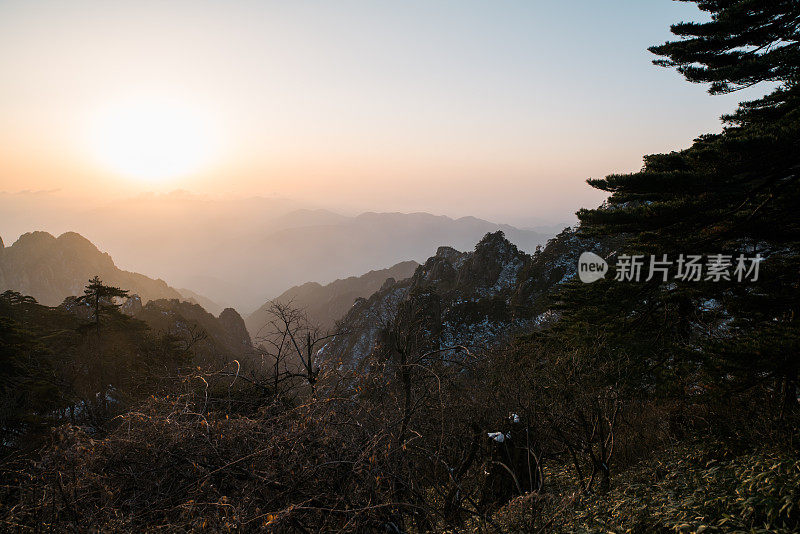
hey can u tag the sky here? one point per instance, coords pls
(498, 109)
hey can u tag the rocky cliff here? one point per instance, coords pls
(468, 298)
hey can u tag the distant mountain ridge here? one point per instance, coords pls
(326, 304)
(357, 244)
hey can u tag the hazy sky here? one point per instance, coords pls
(499, 109)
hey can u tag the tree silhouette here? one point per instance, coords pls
(744, 43)
(101, 298)
(734, 193)
(293, 342)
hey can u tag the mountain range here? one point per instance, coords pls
(478, 296)
(243, 252)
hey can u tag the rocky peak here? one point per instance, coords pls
(33, 239)
(493, 266)
(438, 270)
(448, 253)
(471, 291)
(496, 246)
(76, 240)
(234, 324)
(50, 269)
(481, 296)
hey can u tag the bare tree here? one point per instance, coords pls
(292, 343)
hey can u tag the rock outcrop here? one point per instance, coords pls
(225, 337)
(234, 324)
(132, 305)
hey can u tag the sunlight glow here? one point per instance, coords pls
(152, 140)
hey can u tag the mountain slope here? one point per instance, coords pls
(327, 304)
(51, 269)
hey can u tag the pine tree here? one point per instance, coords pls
(745, 42)
(101, 298)
(734, 193)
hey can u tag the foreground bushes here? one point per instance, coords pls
(399, 451)
(172, 466)
(321, 467)
(691, 487)
(540, 434)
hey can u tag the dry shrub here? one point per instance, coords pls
(170, 466)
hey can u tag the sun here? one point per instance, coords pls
(151, 140)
